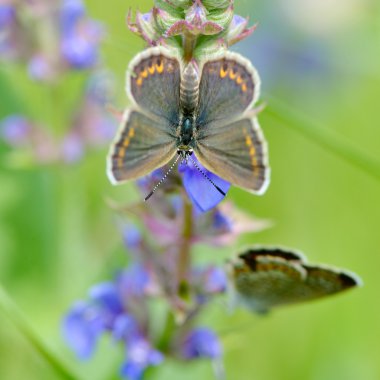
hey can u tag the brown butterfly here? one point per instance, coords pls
(184, 109)
(263, 278)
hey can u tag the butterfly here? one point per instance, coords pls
(181, 109)
(263, 278)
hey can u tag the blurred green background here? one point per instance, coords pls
(58, 236)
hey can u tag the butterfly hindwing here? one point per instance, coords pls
(235, 151)
(144, 143)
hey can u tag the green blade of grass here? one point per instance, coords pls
(326, 138)
(13, 313)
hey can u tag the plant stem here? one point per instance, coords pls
(12, 312)
(184, 258)
(323, 136)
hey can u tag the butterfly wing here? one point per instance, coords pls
(144, 143)
(146, 139)
(153, 83)
(229, 141)
(266, 278)
(237, 152)
(229, 85)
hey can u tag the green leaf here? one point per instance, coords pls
(12, 312)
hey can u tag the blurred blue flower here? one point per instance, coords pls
(134, 281)
(201, 342)
(140, 355)
(7, 14)
(39, 68)
(15, 130)
(132, 237)
(200, 190)
(80, 35)
(215, 280)
(221, 222)
(82, 327)
(72, 148)
(111, 308)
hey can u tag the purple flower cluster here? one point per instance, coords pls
(73, 42)
(91, 126)
(122, 308)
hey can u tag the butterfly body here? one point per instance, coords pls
(178, 108)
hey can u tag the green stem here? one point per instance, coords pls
(323, 136)
(12, 312)
(184, 258)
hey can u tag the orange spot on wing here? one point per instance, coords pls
(223, 73)
(126, 142)
(127, 139)
(244, 87)
(251, 151)
(232, 75)
(239, 80)
(151, 69)
(121, 153)
(160, 67)
(139, 81)
(144, 73)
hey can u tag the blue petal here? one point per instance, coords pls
(216, 280)
(79, 52)
(15, 129)
(200, 191)
(71, 12)
(7, 14)
(133, 281)
(132, 371)
(107, 297)
(132, 236)
(81, 329)
(126, 328)
(140, 356)
(202, 342)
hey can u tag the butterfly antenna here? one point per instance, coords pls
(206, 176)
(162, 179)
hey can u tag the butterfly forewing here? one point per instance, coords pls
(229, 85)
(153, 82)
(144, 143)
(237, 152)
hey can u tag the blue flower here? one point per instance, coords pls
(132, 237)
(140, 356)
(215, 281)
(200, 190)
(111, 310)
(80, 36)
(72, 148)
(134, 281)
(82, 327)
(201, 342)
(7, 14)
(15, 130)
